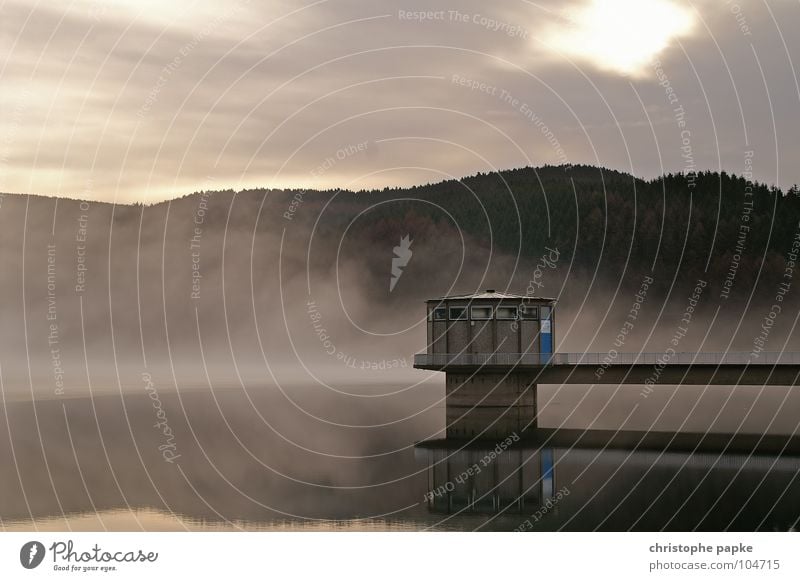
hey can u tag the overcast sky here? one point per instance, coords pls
(146, 100)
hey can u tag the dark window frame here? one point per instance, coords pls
(434, 311)
(465, 317)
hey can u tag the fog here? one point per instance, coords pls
(254, 299)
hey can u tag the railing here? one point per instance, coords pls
(605, 359)
(442, 359)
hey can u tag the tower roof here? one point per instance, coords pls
(492, 294)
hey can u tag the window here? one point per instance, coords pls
(482, 313)
(545, 311)
(440, 314)
(458, 313)
(528, 312)
(506, 312)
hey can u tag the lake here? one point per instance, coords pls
(366, 458)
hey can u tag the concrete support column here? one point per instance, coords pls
(490, 405)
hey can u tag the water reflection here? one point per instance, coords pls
(256, 461)
(245, 459)
(482, 480)
(603, 480)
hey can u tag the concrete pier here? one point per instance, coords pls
(626, 368)
(490, 395)
(490, 405)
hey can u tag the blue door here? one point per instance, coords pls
(546, 334)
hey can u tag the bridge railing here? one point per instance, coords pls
(605, 359)
(470, 359)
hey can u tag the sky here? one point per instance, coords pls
(143, 101)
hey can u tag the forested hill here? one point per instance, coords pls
(607, 227)
(714, 226)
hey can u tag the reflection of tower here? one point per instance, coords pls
(491, 346)
(486, 480)
(617, 480)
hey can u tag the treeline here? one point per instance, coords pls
(711, 226)
(607, 225)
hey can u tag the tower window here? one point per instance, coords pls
(506, 312)
(458, 313)
(481, 313)
(440, 314)
(529, 312)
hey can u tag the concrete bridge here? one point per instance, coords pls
(489, 395)
(680, 368)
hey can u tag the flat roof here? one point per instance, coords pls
(492, 294)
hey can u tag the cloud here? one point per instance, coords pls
(622, 35)
(144, 102)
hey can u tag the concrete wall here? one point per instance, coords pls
(529, 336)
(507, 336)
(458, 336)
(439, 336)
(482, 336)
(489, 405)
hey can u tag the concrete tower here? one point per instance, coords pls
(483, 342)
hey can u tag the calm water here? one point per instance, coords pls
(311, 458)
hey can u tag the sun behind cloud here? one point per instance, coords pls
(621, 35)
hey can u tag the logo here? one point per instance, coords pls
(400, 260)
(31, 554)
